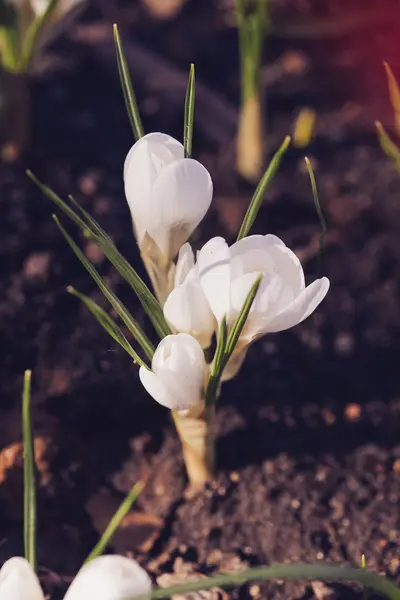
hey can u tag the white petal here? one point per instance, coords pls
(187, 310)
(213, 262)
(300, 308)
(143, 165)
(18, 581)
(269, 255)
(110, 578)
(178, 369)
(181, 196)
(184, 263)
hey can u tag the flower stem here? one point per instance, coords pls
(197, 433)
(14, 113)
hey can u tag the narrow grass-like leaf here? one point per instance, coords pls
(92, 230)
(294, 572)
(216, 371)
(318, 208)
(189, 113)
(115, 521)
(29, 474)
(389, 147)
(33, 34)
(262, 187)
(127, 88)
(226, 346)
(241, 319)
(394, 95)
(118, 306)
(108, 324)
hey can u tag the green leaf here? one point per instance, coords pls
(394, 95)
(218, 364)
(225, 347)
(189, 112)
(108, 324)
(91, 229)
(262, 187)
(29, 474)
(294, 572)
(241, 319)
(127, 88)
(115, 521)
(118, 306)
(318, 208)
(389, 147)
(33, 33)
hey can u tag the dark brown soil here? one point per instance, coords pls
(309, 433)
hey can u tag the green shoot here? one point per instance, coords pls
(189, 113)
(227, 344)
(389, 147)
(108, 324)
(127, 88)
(29, 474)
(115, 521)
(295, 572)
(262, 187)
(92, 230)
(318, 208)
(118, 306)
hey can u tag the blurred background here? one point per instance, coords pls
(309, 434)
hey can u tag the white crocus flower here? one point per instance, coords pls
(168, 195)
(104, 578)
(178, 372)
(186, 308)
(225, 275)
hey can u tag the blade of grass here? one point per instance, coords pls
(108, 324)
(33, 33)
(127, 88)
(216, 370)
(29, 474)
(91, 229)
(262, 187)
(295, 572)
(318, 208)
(394, 95)
(189, 112)
(241, 319)
(115, 521)
(389, 147)
(118, 306)
(225, 347)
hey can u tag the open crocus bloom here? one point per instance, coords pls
(178, 372)
(168, 195)
(104, 578)
(224, 276)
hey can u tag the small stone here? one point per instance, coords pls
(352, 412)
(254, 590)
(36, 266)
(396, 465)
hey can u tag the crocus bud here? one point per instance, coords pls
(110, 577)
(186, 308)
(18, 581)
(168, 195)
(178, 372)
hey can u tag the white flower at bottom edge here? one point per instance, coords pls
(109, 577)
(178, 372)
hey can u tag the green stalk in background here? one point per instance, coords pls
(389, 147)
(252, 27)
(29, 474)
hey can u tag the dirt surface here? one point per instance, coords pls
(309, 433)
